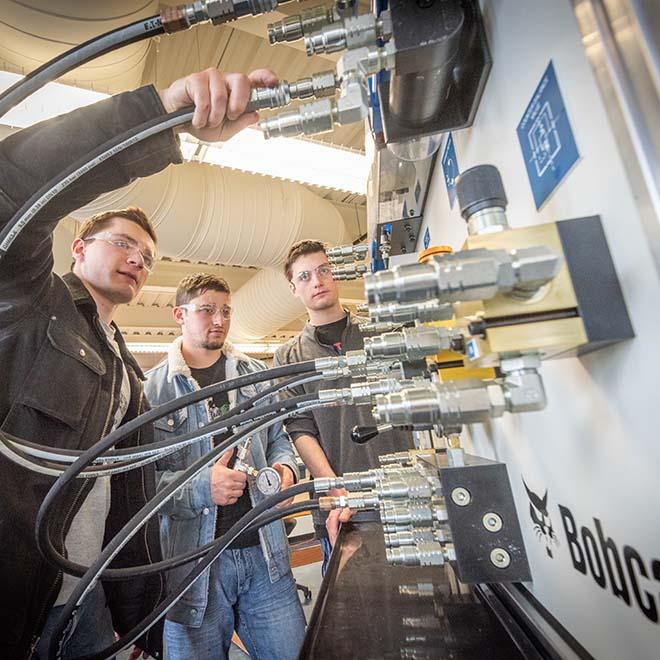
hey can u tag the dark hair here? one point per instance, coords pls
(194, 285)
(298, 250)
(103, 220)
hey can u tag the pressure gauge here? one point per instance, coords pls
(268, 481)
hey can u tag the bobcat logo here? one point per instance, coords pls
(538, 512)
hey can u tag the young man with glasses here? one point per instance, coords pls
(323, 436)
(250, 588)
(68, 379)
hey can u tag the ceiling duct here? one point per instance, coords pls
(33, 32)
(211, 214)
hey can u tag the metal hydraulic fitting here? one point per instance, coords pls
(430, 553)
(414, 343)
(417, 535)
(318, 85)
(379, 327)
(351, 106)
(424, 311)
(354, 252)
(360, 393)
(412, 486)
(350, 272)
(523, 385)
(414, 515)
(357, 501)
(350, 32)
(353, 363)
(447, 404)
(478, 274)
(218, 12)
(300, 25)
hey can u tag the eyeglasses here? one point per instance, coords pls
(127, 245)
(210, 310)
(323, 272)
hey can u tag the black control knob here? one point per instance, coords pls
(479, 188)
(362, 434)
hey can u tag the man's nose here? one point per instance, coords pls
(136, 258)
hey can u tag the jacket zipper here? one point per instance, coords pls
(146, 525)
(67, 518)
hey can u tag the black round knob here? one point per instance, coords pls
(362, 434)
(479, 188)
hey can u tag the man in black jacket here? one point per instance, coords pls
(67, 377)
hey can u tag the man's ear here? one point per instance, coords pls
(292, 288)
(177, 313)
(78, 249)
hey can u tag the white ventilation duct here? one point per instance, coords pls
(216, 215)
(33, 32)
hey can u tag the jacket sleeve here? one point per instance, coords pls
(280, 449)
(190, 500)
(30, 158)
(303, 423)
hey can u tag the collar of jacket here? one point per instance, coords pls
(83, 299)
(176, 365)
(309, 330)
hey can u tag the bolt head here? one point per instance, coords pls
(461, 496)
(492, 522)
(500, 558)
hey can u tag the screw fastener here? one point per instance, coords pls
(461, 496)
(492, 522)
(500, 558)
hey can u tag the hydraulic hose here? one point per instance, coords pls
(92, 575)
(44, 542)
(28, 452)
(83, 165)
(75, 57)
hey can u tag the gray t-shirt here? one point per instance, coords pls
(84, 541)
(332, 426)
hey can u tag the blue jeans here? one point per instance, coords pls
(266, 615)
(91, 631)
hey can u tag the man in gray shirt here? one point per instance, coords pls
(323, 436)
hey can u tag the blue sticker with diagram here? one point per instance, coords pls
(450, 169)
(427, 238)
(546, 138)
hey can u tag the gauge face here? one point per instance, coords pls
(268, 481)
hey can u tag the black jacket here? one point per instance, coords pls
(59, 380)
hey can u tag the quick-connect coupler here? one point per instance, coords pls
(447, 404)
(349, 272)
(300, 25)
(354, 502)
(413, 344)
(218, 12)
(350, 32)
(413, 515)
(478, 274)
(417, 535)
(430, 553)
(424, 312)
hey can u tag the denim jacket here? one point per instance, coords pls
(188, 519)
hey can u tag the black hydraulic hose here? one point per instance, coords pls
(138, 630)
(143, 29)
(145, 418)
(240, 408)
(118, 574)
(83, 165)
(44, 543)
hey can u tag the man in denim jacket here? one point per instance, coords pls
(250, 588)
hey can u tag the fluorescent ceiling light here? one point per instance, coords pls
(302, 161)
(51, 100)
(257, 348)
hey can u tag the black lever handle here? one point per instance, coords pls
(362, 434)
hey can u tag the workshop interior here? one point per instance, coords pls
(487, 176)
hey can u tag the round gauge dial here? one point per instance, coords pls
(268, 481)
